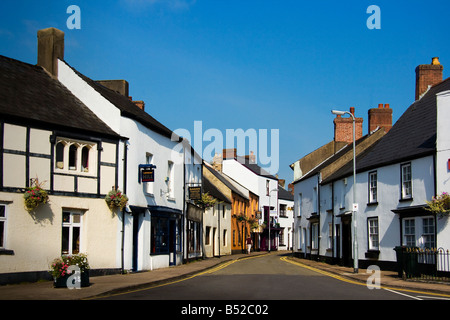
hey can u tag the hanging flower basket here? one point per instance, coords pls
(35, 195)
(116, 199)
(61, 274)
(440, 205)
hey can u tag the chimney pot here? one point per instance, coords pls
(428, 75)
(435, 61)
(380, 106)
(352, 110)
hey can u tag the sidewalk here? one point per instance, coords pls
(121, 283)
(389, 279)
(113, 283)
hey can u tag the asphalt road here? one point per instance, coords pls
(266, 277)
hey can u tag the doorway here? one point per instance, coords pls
(346, 243)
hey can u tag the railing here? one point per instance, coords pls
(427, 264)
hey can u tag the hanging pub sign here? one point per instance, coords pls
(146, 173)
(195, 193)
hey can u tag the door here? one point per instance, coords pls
(172, 243)
(135, 242)
(346, 243)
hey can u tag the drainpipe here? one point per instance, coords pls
(125, 155)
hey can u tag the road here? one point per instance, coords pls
(267, 277)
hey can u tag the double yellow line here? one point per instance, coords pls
(285, 259)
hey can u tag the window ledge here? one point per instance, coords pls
(372, 254)
(375, 203)
(6, 252)
(405, 199)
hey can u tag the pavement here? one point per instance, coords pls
(114, 284)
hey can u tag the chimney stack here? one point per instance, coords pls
(50, 49)
(380, 117)
(343, 128)
(428, 75)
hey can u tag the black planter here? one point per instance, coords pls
(61, 282)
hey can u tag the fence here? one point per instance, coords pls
(427, 264)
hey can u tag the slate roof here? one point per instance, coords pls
(127, 107)
(28, 92)
(412, 136)
(284, 194)
(255, 168)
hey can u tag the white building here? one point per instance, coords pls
(155, 218)
(395, 178)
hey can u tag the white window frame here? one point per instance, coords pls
(409, 232)
(299, 205)
(428, 232)
(169, 179)
(373, 187)
(71, 225)
(149, 189)
(373, 233)
(406, 180)
(315, 236)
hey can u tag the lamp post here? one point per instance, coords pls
(354, 206)
(269, 215)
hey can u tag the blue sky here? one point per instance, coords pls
(245, 63)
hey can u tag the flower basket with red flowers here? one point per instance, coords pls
(35, 195)
(116, 199)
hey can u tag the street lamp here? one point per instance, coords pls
(354, 207)
(269, 214)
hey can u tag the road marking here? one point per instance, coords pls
(402, 294)
(285, 259)
(150, 286)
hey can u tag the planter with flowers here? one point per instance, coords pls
(440, 205)
(35, 195)
(60, 270)
(116, 199)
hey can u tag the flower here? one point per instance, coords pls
(34, 196)
(440, 204)
(59, 266)
(116, 199)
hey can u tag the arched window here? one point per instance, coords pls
(60, 155)
(85, 159)
(73, 157)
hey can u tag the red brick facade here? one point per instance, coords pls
(343, 128)
(380, 117)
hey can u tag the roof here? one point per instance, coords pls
(284, 194)
(29, 92)
(233, 186)
(255, 168)
(209, 187)
(412, 136)
(127, 107)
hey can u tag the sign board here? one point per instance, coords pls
(148, 175)
(355, 207)
(195, 193)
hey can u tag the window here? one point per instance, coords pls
(208, 236)
(283, 212)
(330, 235)
(428, 233)
(315, 236)
(224, 237)
(299, 205)
(373, 187)
(406, 183)
(85, 159)
(74, 156)
(2, 226)
(149, 185)
(169, 180)
(409, 233)
(373, 233)
(267, 188)
(71, 232)
(59, 155)
(160, 235)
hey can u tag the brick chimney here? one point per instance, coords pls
(343, 128)
(120, 86)
(140, 104)
(50, 48)
(428, 75)
(380, 117)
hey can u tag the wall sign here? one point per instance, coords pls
(195, 193)
(146, 173)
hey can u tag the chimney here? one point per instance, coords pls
(140, 104)
(428, 75)
(229, 153)
(380, 117)
(343, 128)
(120, 86)
(50, 48)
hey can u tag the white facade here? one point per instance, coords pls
(161, 202)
